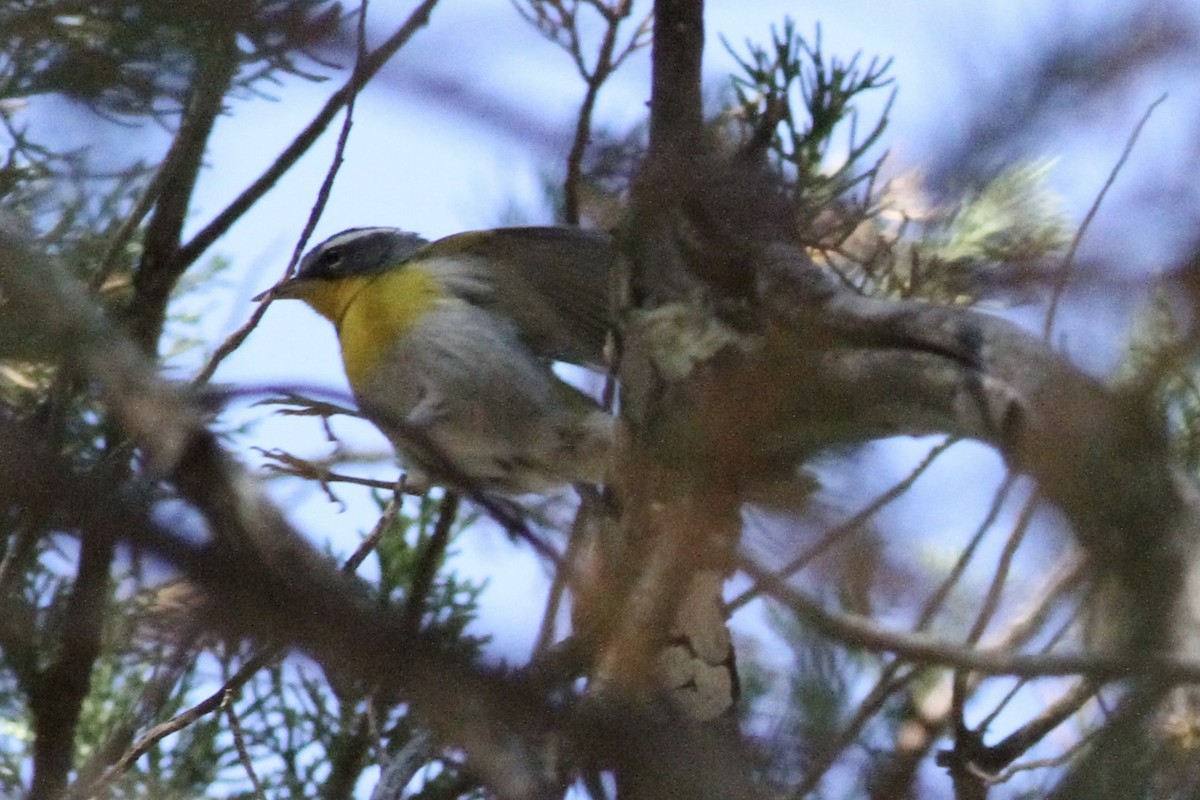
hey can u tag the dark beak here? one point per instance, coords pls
(284, 290)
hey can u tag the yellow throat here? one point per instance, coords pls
(372, 311)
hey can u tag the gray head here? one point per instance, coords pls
(358, 251)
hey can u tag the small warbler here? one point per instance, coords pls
(447, 346)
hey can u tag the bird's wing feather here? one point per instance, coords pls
(556, 287)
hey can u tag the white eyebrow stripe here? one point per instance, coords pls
(351, 235)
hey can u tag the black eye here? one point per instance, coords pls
(331, 259)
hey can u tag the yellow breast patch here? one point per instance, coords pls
(385, 309)
(372, 311)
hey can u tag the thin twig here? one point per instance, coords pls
(292, 467)
(355, 84)
(1062, 580)
(248, 670)
(385, 521)
(563, 577)
(1046, 647)
(849, 526)
(1065, 757)
(1017, 743)
(154, 696)
(430, 561)
(300, 145)
(1064, 271)
(991, 601)
(239, 741)
(862, 632)
(128, 226)
(966, 737)
(595, 79)
(888, 682)
(934, 604)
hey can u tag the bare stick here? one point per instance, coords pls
(1064, 271)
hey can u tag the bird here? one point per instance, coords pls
(448, 348)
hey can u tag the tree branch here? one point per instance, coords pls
(921, 648)
(428, 563)
(161, 266)
(676, 116)
(833, 366)
(369, 66)
(62, 687)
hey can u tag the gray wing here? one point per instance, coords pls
(555, 285)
